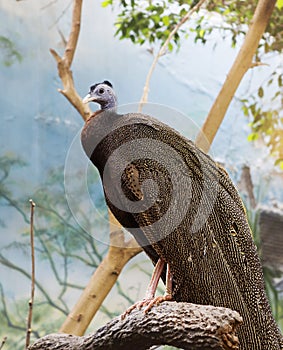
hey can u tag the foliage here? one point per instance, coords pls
(9, 52)
(150, 22)
(267, 121)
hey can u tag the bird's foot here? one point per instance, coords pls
(157, 300)
(148, 303)
(230, 339)
(138, 305)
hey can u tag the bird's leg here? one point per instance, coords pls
(150, 300)
(155, 277)
(151, 289)
(168, 292)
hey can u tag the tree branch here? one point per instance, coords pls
(184, 325)
(74, 35)
(163, 50)
(241, 65)
(64, 64)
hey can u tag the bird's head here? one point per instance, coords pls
(103, 94)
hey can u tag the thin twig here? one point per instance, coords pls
(64, 40)
(61, 15)
(29, 320)
(3, 342)
(48, 5)
(163, 50)
(258, 64)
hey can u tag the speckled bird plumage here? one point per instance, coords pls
(216, 264)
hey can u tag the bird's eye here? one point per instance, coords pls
(101, 91)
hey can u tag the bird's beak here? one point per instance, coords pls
(88, 98)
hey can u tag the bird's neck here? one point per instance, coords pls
(110, 104)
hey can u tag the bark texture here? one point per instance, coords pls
(183, 325)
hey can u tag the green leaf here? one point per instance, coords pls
(201, 33)
(279, 4)
(9, 52)
(280, 79)
(245, 110)
(156, 20)
(253, 136)
(106, 3)
(166, 20)
(270, 81)
(278, 93)
(279, 162)
(260, 92)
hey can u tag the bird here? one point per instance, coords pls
(185, 212)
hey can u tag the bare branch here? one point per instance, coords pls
(195, 327)
(47, 5)
(74, 35)
(163, 50)
(258, 64)
(64, 41)
(29, 319)
(55, 55)
(3, 342)
(62, 13)
(64, 64)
